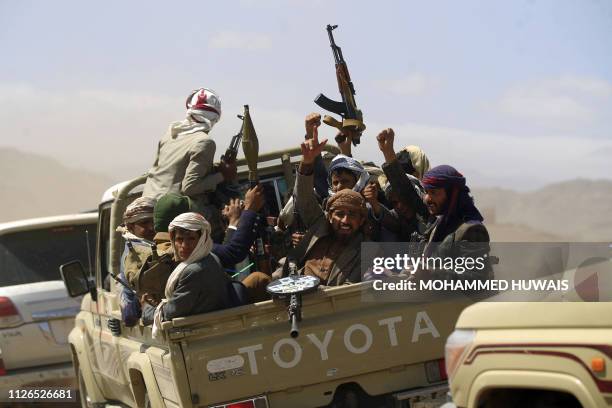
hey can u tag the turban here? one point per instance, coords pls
(203, 112)
(414, 158)
(168, 207)
(348, 163)
(347, 199)
(140, 209)
(444, 176)
(460, 203)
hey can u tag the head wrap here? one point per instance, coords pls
(344, 162)
(415, 159)
(192, 222)
(416, 184)
(168, 207)
(203, 112)
(347, 199)
(140, 209)
(460, 207)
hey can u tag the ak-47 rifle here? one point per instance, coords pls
(228, 189)
(250, 147)
(352, 118)
(232, 151)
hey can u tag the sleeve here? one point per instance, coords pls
(305, 202)
(241, 240)
(184, 297)
(198, 177)
(402, 184)
(472, 245)
(229, 233)
(321, 184)
(148, 313)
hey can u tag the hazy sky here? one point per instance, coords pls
(515, 93)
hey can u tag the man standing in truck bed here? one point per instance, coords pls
(184, 160)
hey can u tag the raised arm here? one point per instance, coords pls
(400, 182)
(306, 203)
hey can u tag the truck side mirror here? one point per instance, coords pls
(75, 279)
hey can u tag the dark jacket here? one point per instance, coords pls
(466, 240)
(203, 287)
(238, 245)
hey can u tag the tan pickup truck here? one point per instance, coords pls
(350, 352)
(527, 354)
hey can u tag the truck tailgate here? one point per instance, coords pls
(342, 339)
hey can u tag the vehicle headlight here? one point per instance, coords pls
(456, 346)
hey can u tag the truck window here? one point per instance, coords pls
(35, 255)
(275, 192)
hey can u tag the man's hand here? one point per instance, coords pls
(311, 148)
(344, 139)
(385, 144)
(296, 237)
(232, 211)
(150, 299)
(228, 170)
(370, 193)
(312, 121)
(254, 199)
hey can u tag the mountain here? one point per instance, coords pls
(37, 186)
(576, 210)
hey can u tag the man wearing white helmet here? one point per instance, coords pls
(184, 160)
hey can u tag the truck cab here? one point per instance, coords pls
(552, 353)
(351, 352)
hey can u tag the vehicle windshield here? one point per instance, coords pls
(35, 255)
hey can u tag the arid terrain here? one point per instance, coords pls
(576, 210)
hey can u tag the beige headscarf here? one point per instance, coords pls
(140, 209)
(419, 160)
(192, 222)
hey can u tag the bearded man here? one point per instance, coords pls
(330, 249)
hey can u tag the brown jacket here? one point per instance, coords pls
(347, 268)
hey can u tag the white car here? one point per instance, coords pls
(36, 313)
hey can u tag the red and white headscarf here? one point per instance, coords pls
(192, 222)
(203, 112)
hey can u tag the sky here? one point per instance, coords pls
(514, 94)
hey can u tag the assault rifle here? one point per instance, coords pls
(352, 118)
(227, 190)
(232, 151)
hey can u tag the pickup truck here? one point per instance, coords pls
(350, 353)
(552, 353)
(36, 313)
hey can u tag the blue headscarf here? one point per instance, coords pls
(344, 162)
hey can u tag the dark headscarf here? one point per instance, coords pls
(168, 207)
(460, 207)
